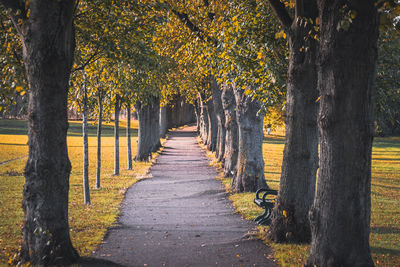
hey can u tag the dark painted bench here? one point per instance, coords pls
(267, 202)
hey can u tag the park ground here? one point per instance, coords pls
(89, 223)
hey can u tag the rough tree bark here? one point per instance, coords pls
(250, 166)
(155, 124)
(232, 132)
(128, 135)
(220, 116)
(163, 122)
(300, 157)
(340, 215)
(204, 123)
(99, 124)
(148, 136)
(117, 108)
(48, 46)
(86, 189)
(212, 126)
(196, 106)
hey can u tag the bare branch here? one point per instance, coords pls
(90, 60)
(281, 13)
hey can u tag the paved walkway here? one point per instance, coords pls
(181, 216)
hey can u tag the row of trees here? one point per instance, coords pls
(72, 58)
(330, 78)
(228, 59)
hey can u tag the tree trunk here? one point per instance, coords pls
(219, 112)
(155, 124)
(250, 166)
(340, 215)
(232, 132)
(48, 43)
(197, 113)
(99, 124)
(128, 135)
(86, 189)
(300, 158)
(212, 127)
(147, 127)
(116, 135)
(204, 123)
(163, 122)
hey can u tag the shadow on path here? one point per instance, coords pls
(182, 216)
(95, 262)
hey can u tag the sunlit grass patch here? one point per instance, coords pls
(88, 223)
(385, 218)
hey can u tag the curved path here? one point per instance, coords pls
(181, 216)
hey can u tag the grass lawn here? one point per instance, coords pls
(385, 219)
(88, 223)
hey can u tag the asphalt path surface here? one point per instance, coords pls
(180, 217)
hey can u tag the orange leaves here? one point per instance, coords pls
(280, 34)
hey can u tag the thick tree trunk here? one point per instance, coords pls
(86, 189)
(155, 124)
(48, 43)
(204, 123)
(117, 108)
(148, 136)
(340, 216)
(128, 136)
(300, 158)
(219, 112)
(163, 122)
(250, 166)
(99, 124)
(232, 132)
(212, 127)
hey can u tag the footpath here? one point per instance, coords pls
(180, 217)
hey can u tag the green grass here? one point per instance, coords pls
(385, 219)
(88, 223)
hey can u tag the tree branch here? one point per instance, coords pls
(211, 15)
(90, 59)
(281, 13)
(184, 18)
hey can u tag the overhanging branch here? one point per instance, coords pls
(281, 13)
(184, 18)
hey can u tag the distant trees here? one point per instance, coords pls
(213, 44)
(387, 95)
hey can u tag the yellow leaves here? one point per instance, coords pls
(291, 3)
(317, 99)
(284, 213)
(20, 90)
(280, 34)
(248, 91)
